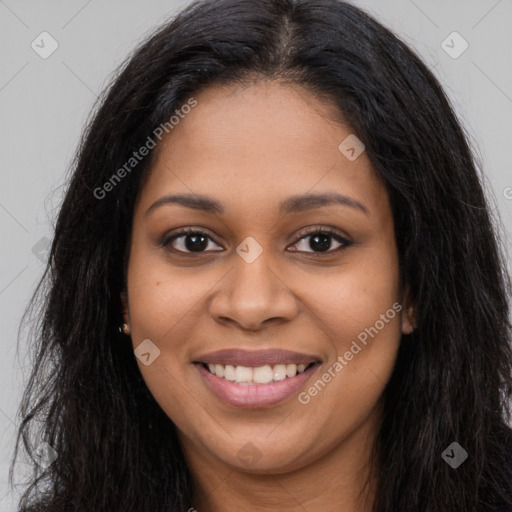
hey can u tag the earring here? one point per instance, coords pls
(124, 329)
(411, 320)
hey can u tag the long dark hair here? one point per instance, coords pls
(117, 450)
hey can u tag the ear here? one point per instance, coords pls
(124, 302)
(409, 314)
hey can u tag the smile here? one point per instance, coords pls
(257, 378)
(247, 376)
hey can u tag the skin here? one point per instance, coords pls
(251, 148)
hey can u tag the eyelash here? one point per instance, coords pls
(304, 234)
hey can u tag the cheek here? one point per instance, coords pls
(163, 308)
(162, 299)
(354, 297)
(360, 311)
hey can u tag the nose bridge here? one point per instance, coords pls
(254, 264)
(253, 292)
(253, 275)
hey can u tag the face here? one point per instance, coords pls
(289, 268)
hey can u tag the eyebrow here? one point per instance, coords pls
(293, 204)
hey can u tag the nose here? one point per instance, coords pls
(253, 294)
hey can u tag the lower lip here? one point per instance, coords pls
(256, 395)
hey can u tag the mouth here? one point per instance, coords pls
(253, 379)
(249, 376)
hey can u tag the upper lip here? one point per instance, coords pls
(240, 357)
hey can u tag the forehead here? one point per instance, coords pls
(261, 143)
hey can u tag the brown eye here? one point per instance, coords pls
(189, 241)
(321, 241)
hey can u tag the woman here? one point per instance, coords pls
(276, 203)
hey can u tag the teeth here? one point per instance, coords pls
(263, 374)
(260, 375)
(291, 370)
(243, 374)
(279, 371)
(229, 373)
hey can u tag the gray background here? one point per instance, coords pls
(45, 102)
